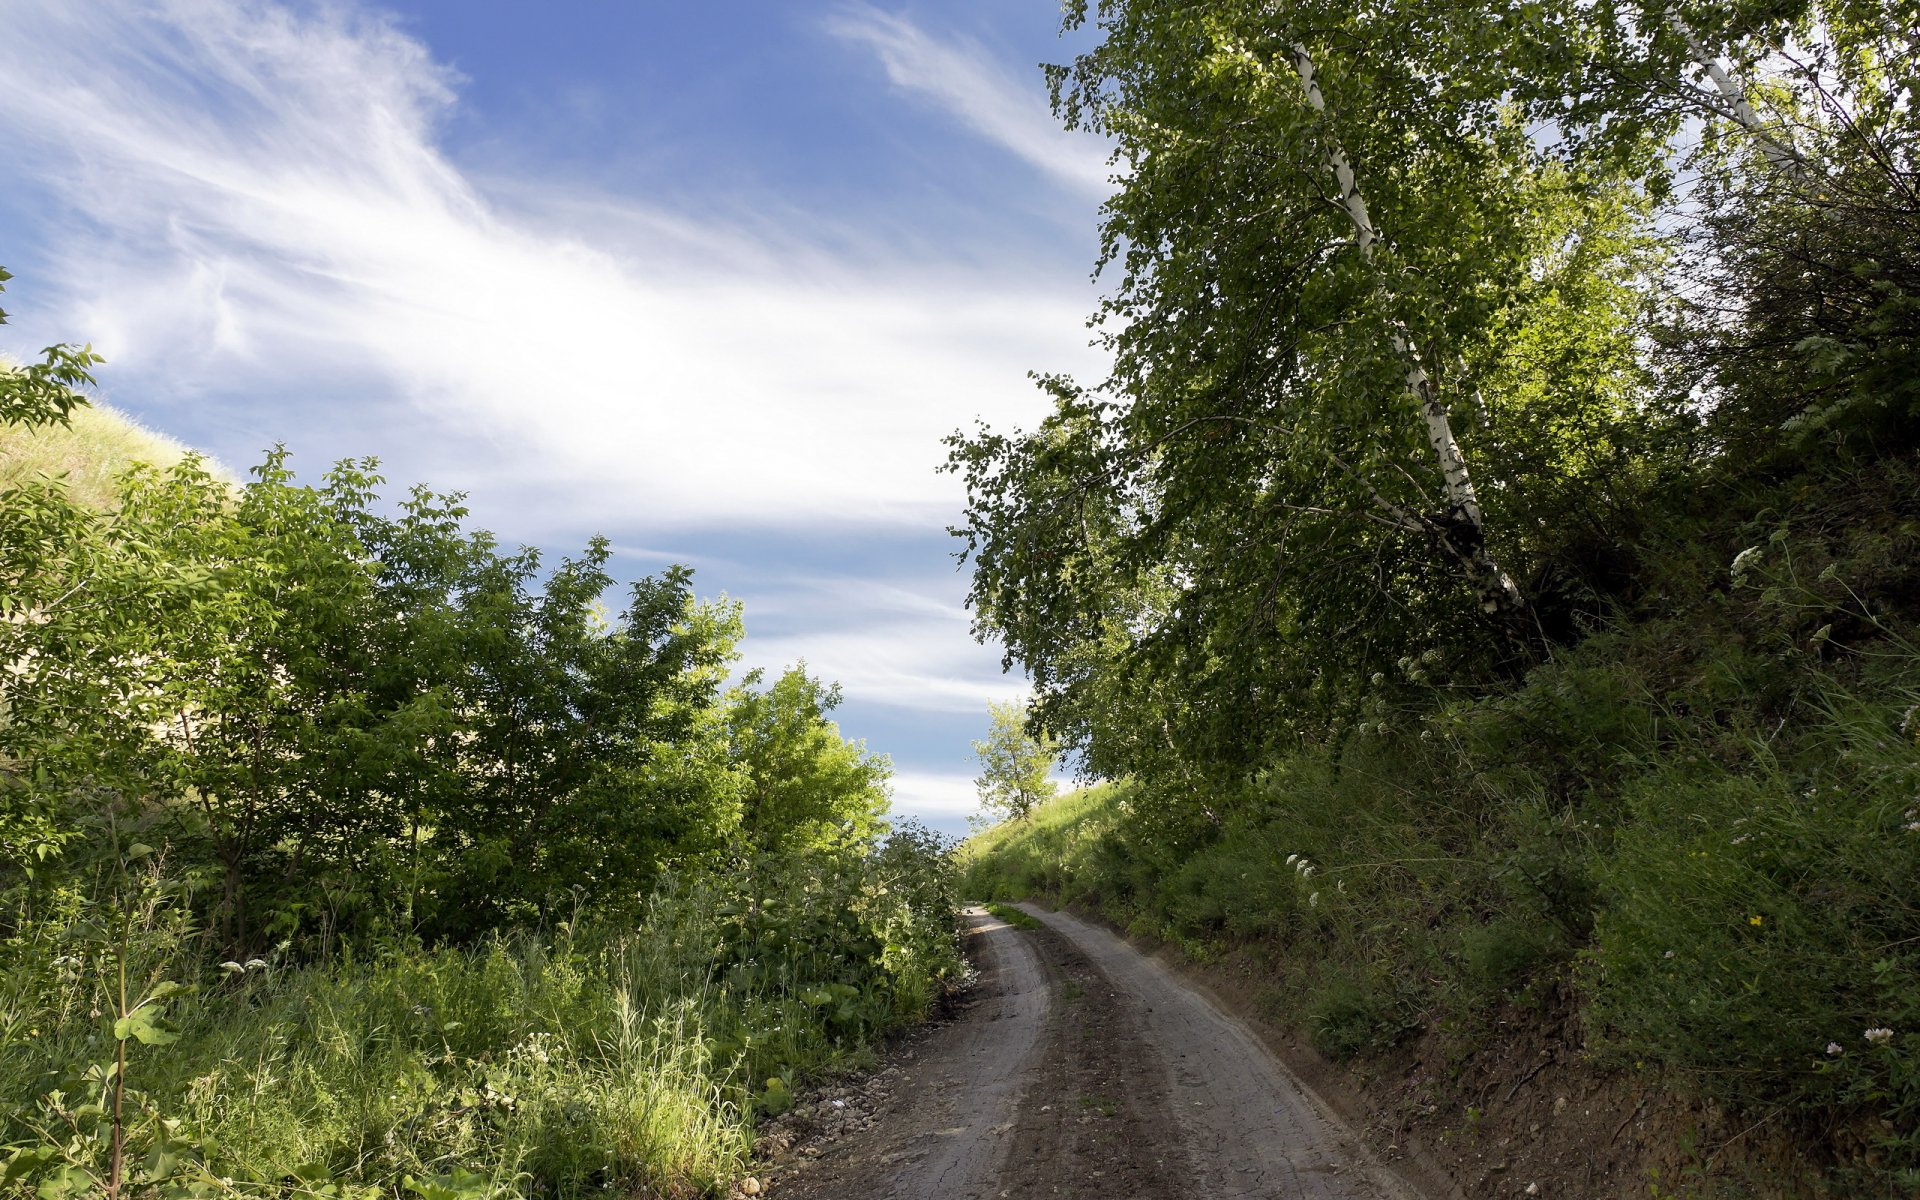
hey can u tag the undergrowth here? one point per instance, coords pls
(1701, 824)
(583, 1059)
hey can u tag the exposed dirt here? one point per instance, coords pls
(1076, 1067)
(1527, 1113)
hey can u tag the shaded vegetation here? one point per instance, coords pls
(1663, 791)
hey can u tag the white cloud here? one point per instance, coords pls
(963, 79)
(911, 664)
(934, 796)
(264, 205)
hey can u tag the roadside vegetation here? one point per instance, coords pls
(1012, 916)
(346, 853)
(1492, 573)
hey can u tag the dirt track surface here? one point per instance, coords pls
(1079, 1067)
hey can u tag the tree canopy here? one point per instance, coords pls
(1388, 290)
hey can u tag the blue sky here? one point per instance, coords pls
(710, 279)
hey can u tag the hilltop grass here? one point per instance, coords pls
(90, 452)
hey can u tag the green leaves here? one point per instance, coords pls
(145, 1025)
(44, 393)
(1233, 536)
(805, 787)
(385, 717)
(1015, 763)
(458, 1184)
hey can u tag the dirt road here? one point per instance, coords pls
(1081, 1068)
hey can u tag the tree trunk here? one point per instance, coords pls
(1780, 154)
(1461, 531)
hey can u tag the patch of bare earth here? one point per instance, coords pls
(1527, 1113)
(1074, 1068)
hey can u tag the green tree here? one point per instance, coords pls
(807, 788)
(1347, 268)
(43, 393)
(1015, 764)
(349, 719)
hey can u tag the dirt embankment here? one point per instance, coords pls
(1527, 1115)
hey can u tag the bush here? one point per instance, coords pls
(1353, 1014)
(599, 1055)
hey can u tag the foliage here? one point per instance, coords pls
(806, 785)
(1230, 524)
(48, 391)
(341, 710)
(1015, 764)
(604, 1054)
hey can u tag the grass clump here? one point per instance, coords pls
(1012, 916)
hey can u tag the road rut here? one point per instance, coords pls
(1080, 1067)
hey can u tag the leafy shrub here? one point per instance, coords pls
(1356, 1013)
(1508, 950)
(1758, 925)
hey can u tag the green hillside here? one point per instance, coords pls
(1491, 572)
(89, 452)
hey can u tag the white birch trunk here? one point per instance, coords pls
(1464, 532)
(1780, 154)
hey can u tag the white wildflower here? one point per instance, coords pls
(1668, 954)
(1743, 560)
(233, 968)
(256, 964)
(1878, 1036)
(1292, 859)
(1313, 901)
(1833, 1048)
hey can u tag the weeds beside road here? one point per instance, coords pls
(556, 1063)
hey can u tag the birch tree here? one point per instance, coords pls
(1374, 362)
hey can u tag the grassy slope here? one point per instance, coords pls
(1691, 843)
(89, 452)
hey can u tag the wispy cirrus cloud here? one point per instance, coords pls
(968, 83)
(254, 211)
(258, 199)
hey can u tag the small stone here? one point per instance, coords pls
(750, 1186)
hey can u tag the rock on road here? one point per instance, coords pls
(1080, 1067)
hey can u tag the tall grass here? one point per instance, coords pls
(563, 1063)
(91, 451)
(1730, 897)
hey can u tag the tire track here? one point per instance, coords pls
(1251, 1128)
